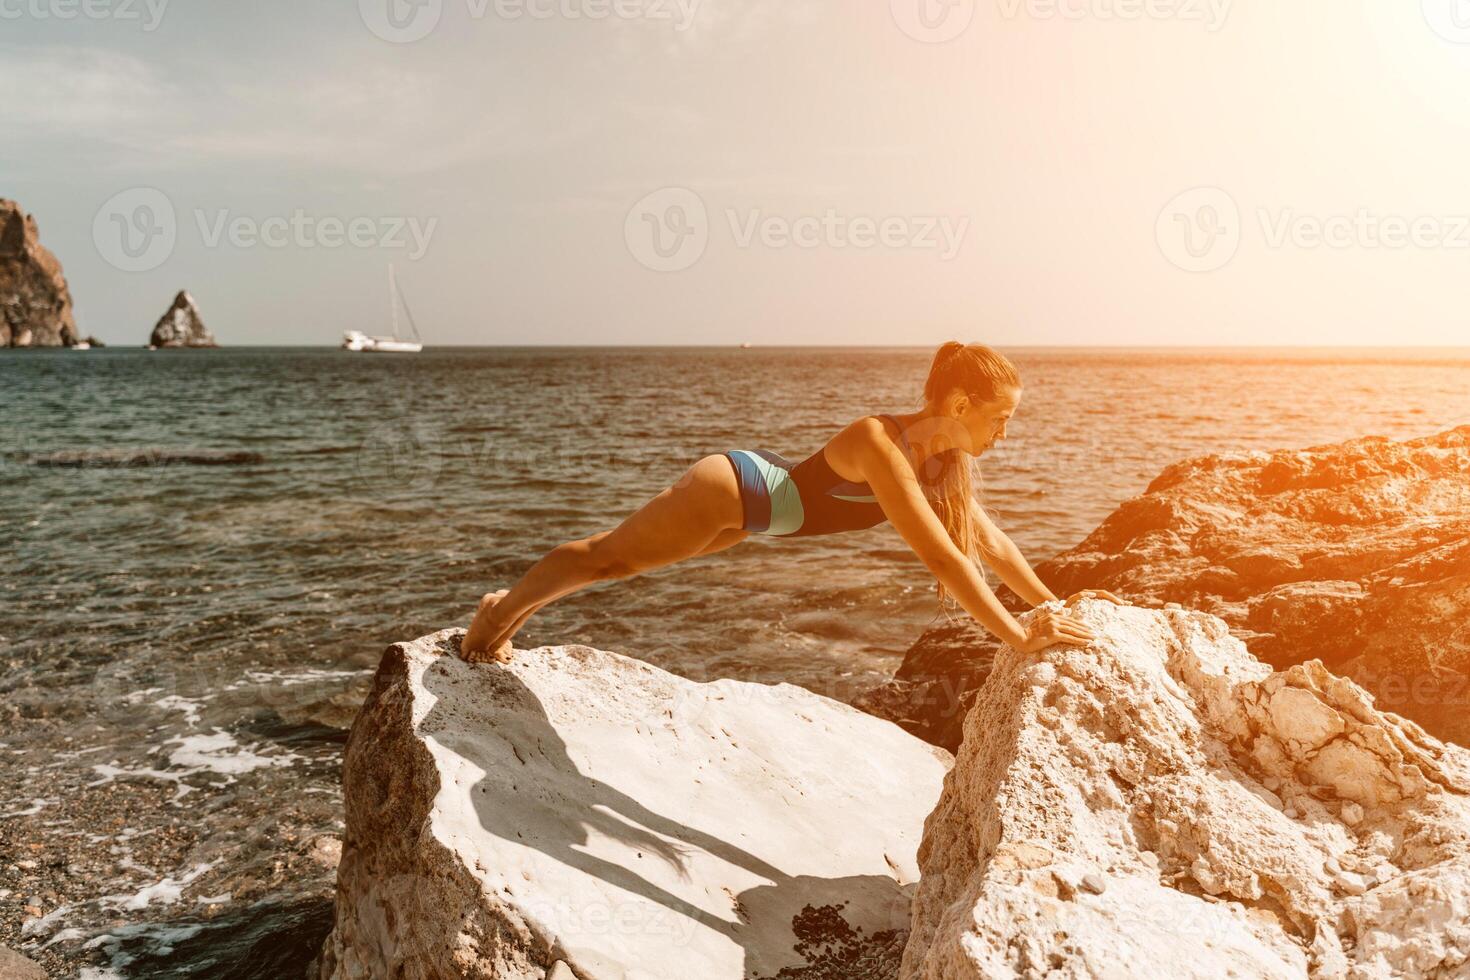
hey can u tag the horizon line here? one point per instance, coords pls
(739, 346)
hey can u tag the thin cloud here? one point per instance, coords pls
(354, 117)
(71, 90)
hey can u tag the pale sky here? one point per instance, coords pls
(1015, 172)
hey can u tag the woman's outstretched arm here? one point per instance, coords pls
(1001, 554)
(888, 473)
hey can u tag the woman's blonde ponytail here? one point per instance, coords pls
(981, 373)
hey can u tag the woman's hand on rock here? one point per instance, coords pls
(1051, 627)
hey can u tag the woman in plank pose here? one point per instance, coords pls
(913, 470)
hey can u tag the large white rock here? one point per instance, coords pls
(582, 814)
(1161, 804)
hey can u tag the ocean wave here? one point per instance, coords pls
(153, 456)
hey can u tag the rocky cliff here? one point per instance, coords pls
(1356, 553)
(1161, 804)
(35, 305)
(579, 815)
(182, 326)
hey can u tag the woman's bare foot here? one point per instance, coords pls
(472, 645)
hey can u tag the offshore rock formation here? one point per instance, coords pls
(1160, 804)
(1357, 554)
(182, 326)
(581, 815)
(35, 305)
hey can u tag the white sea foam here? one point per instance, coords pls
(77, 753)
(37, 805)
(110, 773)
(293, 678)
(129, 863)
(122, 836)
(166, 892)
(189, 706)
(161, 940)
(220, 752)
(64, 936)
(47, 922)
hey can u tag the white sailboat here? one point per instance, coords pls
(359, 341)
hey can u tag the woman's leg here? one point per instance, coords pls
(725, 539)
(695, 516)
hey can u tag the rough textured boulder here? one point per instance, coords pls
(14, 966)
(35, 305)
(1356, 553)
(182, 326)
(1161, 804)
(579, 814)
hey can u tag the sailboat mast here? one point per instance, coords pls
(409, 313)
(393, 297)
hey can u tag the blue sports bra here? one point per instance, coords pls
(833, 504)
